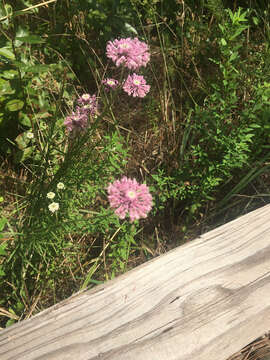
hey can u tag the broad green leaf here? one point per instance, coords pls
(5, 87)
(24, 119)
(223, 42)
(7, 53)
(21, 141)
(22, 155)
(27, 153)
(10, 74)
(14, 105)
(21, 32)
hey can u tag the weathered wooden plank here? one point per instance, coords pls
(204, 300)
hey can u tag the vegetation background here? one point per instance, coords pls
(199, 139)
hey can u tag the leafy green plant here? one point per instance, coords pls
(21, 75)
(218, 137)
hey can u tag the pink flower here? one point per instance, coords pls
(88, 104)
(110, 83)
(85, 99)
(135, 85)
(132, 53)
(128, 196)
(77, 120)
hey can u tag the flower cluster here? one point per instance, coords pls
(128, 196)
(78, 120)
(135, 85)
(88, 104)
(110, 83)
(132, 53)
(54, 206)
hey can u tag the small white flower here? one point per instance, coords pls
(53, 207)
(86, 97)
(60, 186)
(50, 195)
(30, 135)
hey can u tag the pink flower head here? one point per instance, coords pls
(135, 85)
(110, 83)
(132, 53)
(128, 196)
(76, 121)
(84, 99)
(88, 104)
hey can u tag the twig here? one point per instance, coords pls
(30, 8)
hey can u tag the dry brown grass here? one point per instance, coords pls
(258, 349)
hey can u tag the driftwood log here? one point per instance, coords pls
(204, 300)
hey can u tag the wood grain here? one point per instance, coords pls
(204, 300)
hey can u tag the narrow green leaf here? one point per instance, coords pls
(233, 56)
(131, 29)
(2, 249)
(39, 68)
(255, 20)
(91, 272)
(3, 222)
(2, 273)
(31, 39)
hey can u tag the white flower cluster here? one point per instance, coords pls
(54, 206)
